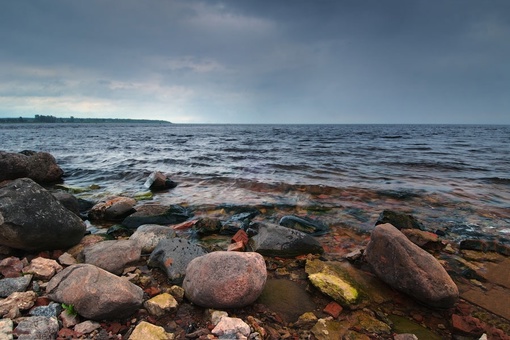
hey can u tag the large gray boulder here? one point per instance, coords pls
(39, 166)
(275, 240)
(225, 279)
(112, 255)
(95, 293)
(32, 219)
(408, 268)
(173, 255)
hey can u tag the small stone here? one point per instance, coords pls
(333, 309)
(161, 304)
(467, 325)
(37, 327)
(6, 326)
(87, 327)
(17, 301)
(216, 316)
(228, 327)
(334, 286)
(238, 246)
(67, 259)
(12, 266)
(14, 284)
(177, 292)
(405, 336)
(69, 320)
(43, 268)
(306, 319)
(51, 310)
(449, 249)
(148, 331)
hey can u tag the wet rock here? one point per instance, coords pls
(6, 326)
(274, 240)
(326, 329)
(305, 320)
(173, 255)
(42, 268)
(34, 220)
(399, 220)
(332, 282)
(113, 255)
(14, 284)
(369, 324)
(207, 226)
(148, 236)
(159, 181)
(51, 310)
(230, 328)
(37, 327)
(112, 209)
(423, 239)
(38, 166)
(287, 298)
(485, 246)
(408, 268)
(148, 331)
(89, 289)
(161, 304)
(12, 266)
(225, 279)
(304, 224)
(157, 214)
(70, 202)
(16, 302)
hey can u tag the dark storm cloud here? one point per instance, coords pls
(259, 61)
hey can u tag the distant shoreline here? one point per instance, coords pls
(72, 120)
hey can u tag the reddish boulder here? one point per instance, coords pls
(408, 268)
(225, 279)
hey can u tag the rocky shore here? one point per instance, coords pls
(230, 272)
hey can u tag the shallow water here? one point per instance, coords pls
(451, 177)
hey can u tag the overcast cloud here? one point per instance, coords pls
(257, 61)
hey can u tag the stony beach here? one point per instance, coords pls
(147, 270)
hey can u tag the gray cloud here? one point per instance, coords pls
(258, 62)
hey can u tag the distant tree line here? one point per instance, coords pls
(53, 119)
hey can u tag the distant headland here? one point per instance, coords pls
(74, 120)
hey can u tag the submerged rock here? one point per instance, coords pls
(95, 293)
(275, 240)
(157, 214)
(304, 224)
(173, 255)
(32, 219)
(332, 283)
(399, 220)
(408, 268)
(225, 279)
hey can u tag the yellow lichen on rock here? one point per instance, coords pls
(335, 287)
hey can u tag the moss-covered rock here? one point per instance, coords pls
(337, 288)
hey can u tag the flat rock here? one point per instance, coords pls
(148, 236)
(112, 255)
(275, 240)
(224, 279)
(90, 290)
(37, 327)
(32, 219)
(157, 214)
(14, 284)
(173, 256)
(408, 268)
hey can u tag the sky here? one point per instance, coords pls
(278, 61)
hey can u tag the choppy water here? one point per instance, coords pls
(453, 177)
